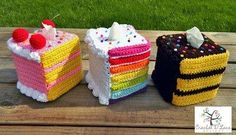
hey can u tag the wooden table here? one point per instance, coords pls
(79, 112)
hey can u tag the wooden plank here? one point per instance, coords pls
(8, 73)
(79, 108)
(219, 37)
(57, 130)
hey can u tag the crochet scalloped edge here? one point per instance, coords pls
(95, 90)
(30, 92)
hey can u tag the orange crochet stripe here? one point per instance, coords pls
(125, 68)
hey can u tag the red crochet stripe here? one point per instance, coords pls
(129, 59)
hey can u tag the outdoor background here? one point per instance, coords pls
(207, 15)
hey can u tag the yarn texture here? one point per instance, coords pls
(47, 69)
(186, 75)
(118, 67)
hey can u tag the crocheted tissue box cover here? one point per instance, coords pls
(117, 69)
(47, 73)
(185, 75)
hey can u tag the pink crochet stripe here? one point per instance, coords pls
(40, 86)
(129, 50)
(71, 57)
(31, 73)
(43, 87)
(29, 65)
(64, 77)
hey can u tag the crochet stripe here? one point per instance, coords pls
(185, 93)
(129, 50)
(126, 68)
(129, 59)
(202, 74)
(198, 83)
(195, 98)
(203, 64)
(60, 53)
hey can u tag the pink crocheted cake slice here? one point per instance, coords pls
(32, 73)
(48, 62)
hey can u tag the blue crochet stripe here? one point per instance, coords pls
(128, 91)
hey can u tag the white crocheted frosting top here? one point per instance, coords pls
(118, 35)
(25, 50)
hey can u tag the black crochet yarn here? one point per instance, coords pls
(166, 71)
(172, 49)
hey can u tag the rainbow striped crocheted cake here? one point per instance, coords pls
(118, 60)
(47, 73)
(187, 75)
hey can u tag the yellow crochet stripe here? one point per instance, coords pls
(129, 75)
(62, 70)
(59, 53)
(128, 84)
(203, 64)
(64, 86)
(192, 99)
(198, 83)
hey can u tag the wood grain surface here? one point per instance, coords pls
(78, 112)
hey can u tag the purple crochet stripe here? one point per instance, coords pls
(112, 101)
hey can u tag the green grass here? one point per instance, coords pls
(207, 15)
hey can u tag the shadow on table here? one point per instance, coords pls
(8, 75)
(81, 96)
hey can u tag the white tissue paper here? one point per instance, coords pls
(194, 37)
(48, 32)
(116, 32)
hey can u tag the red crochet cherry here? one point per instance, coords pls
(48, 22)
(20, 34)
(37, 41)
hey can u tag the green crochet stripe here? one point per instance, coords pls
(128, 84)
(129, 75)
(125, 92)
